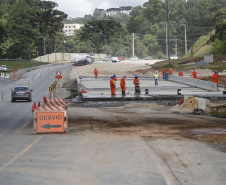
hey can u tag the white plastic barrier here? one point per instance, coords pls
(79, 85)
(7, 75)
(2, 75)
(210, 86)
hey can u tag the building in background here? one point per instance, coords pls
(70, 28)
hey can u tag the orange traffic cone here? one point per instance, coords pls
(84, 91)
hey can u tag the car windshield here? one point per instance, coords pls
(20, 89)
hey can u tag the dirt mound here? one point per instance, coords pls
(190, 103)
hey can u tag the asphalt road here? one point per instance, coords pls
(77, 158)
(17, 114)
(90, 155)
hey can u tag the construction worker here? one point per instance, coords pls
(181, 73)
(112, 85)
(96, 72)
(170, 71)
(194, 74)
(163, 73)
(156, 77)
(215, 77)
(115, 79)
(136, 82)
(123, 85)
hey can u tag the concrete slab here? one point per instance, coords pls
(99, 90)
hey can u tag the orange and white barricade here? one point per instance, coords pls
(51, 118)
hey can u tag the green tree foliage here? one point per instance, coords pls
(24, 23)
(197, 15)
(100, 33)
(220, 33)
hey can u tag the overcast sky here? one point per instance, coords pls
(79, 8)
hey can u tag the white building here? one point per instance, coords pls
(70, 28)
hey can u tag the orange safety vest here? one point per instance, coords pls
(194, 73)
(136, 81)
(123, 84)
(112, 83)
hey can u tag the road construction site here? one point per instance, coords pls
(188, 148)
(141, 139)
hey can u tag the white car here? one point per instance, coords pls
(134, 58)
(3, 68)
(115, 59)
(173, 57)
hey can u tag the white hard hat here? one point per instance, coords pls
(156, 71)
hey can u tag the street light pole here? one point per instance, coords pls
(133, 45)
(64, 50)
(167, 22)
(166, 41)
(185, 38)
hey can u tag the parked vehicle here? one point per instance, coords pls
(173, 57)
(148, 58)
(3, 68)
(107, 59)
(83, 59)
(134, 58)
(21, 93)
(115, 59)
(121, 58)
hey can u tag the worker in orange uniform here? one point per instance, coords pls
(112, 85)
(170, 71)
(163, 73)
(215, 77)
(115, 79)
(194, 74)
(123, 85)
(136, 82)
(181, 73)
(96, 72)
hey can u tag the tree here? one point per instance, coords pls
(137, 22)
(48, 20)
(100, 33)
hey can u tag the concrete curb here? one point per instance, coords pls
(210, 86)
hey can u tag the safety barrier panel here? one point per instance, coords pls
(14, 76)
(51, 118)
(7, 75)
(52, 121)
(56, 102)
(2, 75)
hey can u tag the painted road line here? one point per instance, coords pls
(20, 154)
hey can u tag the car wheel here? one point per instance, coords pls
(30, 100)
(12, 100)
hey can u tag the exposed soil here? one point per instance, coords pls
(191, 147)
(150, 121)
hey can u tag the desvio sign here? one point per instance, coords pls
(50, 122)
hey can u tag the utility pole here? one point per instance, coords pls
(167, 20)
(133, 44)
(185, 38)
(176, 47)
(166, 42)
(192, 32)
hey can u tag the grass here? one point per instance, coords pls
(20, 64)
(200, 47)
(219, 66)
